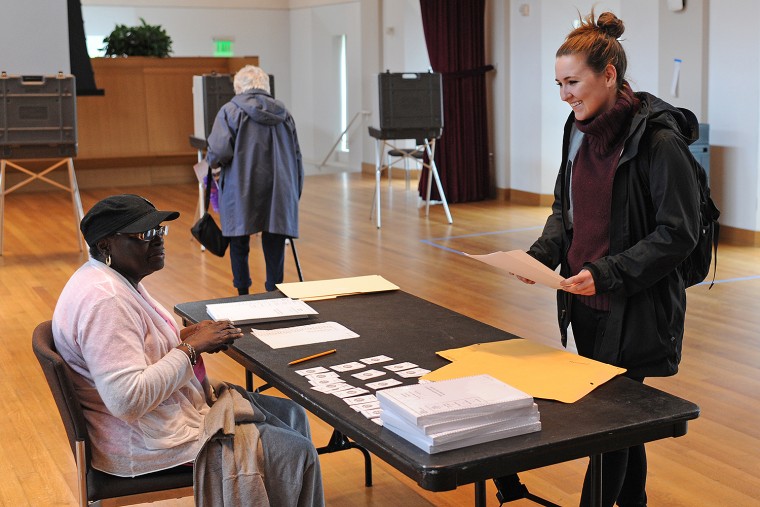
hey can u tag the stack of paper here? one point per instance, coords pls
(262, 310)
(440, 416)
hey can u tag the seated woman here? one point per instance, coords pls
(141, 379)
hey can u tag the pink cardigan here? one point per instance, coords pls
(144, 407)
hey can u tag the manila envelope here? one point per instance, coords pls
(541, 371)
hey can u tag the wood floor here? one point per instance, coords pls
(716, 464)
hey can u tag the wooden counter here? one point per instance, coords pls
(138, 132)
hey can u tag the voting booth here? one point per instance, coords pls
(210, 93)
(411, 108)
(411, 103)
(38, 121)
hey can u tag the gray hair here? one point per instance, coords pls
(250, 77)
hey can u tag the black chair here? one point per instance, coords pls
(416, 155)
(96, 487)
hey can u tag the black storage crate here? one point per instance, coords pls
(214, 92)
(701, 147)
(38, 116)
(411, 101)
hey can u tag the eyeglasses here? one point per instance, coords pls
(161, 231)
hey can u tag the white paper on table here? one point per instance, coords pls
(520, 263)
(382, 384)
(303, 335)
(261, 310)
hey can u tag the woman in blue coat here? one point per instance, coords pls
(254, 142)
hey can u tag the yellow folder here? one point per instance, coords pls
(541, 371)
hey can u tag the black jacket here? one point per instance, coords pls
(654, 224)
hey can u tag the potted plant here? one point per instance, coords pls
(141, 40)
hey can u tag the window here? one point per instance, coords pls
(343, 78)
(95, 45)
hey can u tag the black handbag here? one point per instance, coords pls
(205, 229)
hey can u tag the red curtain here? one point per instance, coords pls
(454, 35)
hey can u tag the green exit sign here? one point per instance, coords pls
(222, 47)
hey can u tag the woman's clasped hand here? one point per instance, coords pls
(211, 336)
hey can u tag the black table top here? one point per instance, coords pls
(618, 414)
(419, 134)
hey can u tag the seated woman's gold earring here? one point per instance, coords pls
(108, 260)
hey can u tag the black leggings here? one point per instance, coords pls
(624, 472)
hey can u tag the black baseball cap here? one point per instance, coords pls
(128, 213)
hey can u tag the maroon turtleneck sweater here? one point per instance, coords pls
(592, 175)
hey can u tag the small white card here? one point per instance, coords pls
(372, 413)
(322, 375)
(325, 381)
(361, 399)
(312, 371)
(366, 375)
(413, 372)
(400, 366)
(354, 391)
(354, 365)
(323, 389)
(376, 359)
(338, 386)
(366, 406)
(382, 384)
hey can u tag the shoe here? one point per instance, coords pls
(509, 488)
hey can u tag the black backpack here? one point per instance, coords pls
(696, 266)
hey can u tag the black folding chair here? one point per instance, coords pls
(96, 488)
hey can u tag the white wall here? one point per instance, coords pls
(314, 59)
(734, 110)
(256, 32)
(21, 54)
(641, 43)
(498, 88)
(537, 115)
(372, 64)
(404, 47)
(689, 25)
(525, 79)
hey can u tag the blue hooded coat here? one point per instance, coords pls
(254, 142)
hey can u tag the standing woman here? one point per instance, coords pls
(625, 216)
(254, 142)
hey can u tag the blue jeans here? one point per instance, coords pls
(273, 246)
(293, 474)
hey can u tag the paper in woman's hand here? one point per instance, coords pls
(520, 263)
(201, 171)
